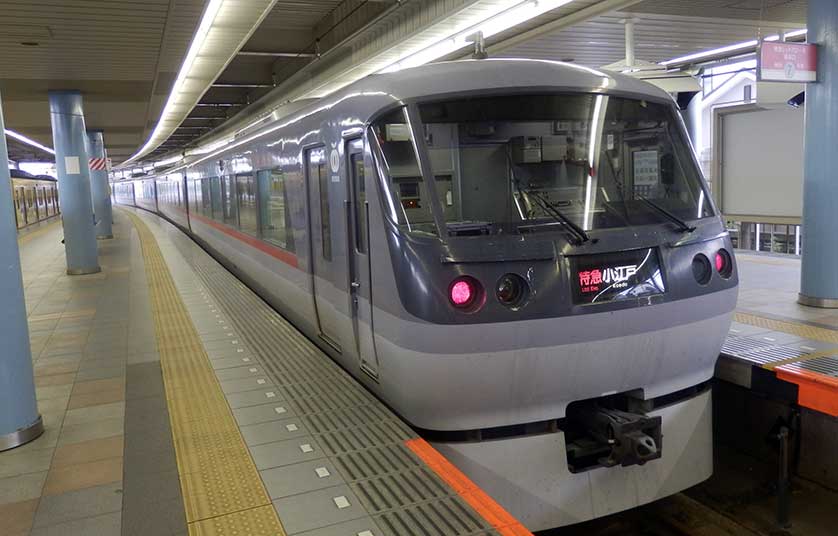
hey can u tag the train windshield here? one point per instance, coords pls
(522, 163)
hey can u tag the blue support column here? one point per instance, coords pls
(69, 137)
(819, 271)
(99, 186)
(19, 418)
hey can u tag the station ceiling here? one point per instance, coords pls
(664, 29)
(124, 55)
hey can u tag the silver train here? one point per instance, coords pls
(520, 257)
(35, 198)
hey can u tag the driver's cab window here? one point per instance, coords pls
(409, 199)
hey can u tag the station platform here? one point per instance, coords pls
(774, 338)
(176, 402)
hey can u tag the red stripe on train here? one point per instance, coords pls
(275, 252)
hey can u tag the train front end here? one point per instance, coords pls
(562, 286)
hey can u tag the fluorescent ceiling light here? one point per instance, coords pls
(439, 39)
(165, 162)
(224, 28)
(736, 47)
(28, 141)
(434, 41)
(498, 17)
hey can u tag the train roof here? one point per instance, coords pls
(487, 74)
(435, 79)
(20, 174)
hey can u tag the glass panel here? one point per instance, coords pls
(508, 164)
(356, 165)
(194, 199)
(206, 203)
(317, 173)
(247, 203)
(228, 194)
(596, 159)
(275, 217)
(409, 199)
(215, 190)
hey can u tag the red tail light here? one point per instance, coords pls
(724, 263)
(465, 293)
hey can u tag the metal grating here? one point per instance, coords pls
(827, 365)
(736, 346)
(449, 517)
(772, 354)
(375, 461)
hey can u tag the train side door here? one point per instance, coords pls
(360, 282)
(20, 216)
(326, 294)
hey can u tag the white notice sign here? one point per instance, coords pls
(71, 165)
(645, 168)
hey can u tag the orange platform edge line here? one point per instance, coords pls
(471, 493)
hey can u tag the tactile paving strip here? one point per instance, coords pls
(795, 328)
(361, 438)
(223, 492)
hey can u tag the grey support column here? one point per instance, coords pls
(69, 137)
(19, 418)
(99, 185)
(819, 271)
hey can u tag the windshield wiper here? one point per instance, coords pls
(581, 235)
(558, 215)
(683, 226)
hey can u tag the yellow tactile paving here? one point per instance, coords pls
(795, 328)
(222, 491)
(256, 522)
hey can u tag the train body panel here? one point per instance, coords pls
(35, 199)
(544, 493)
(503, 251)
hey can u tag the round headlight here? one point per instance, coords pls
(512, 290)
(702, 271)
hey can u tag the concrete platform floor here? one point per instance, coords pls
(85, 331)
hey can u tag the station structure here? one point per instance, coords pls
(145, 389)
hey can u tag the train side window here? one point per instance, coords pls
(317, 173)
(246, 203)
(206, 206)
(274, 209)
(194, 200)
(215, 195)
(228, 195)
(359, 198)
(407, 195)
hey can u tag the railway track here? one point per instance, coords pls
(678, 515)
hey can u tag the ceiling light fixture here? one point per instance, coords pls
(437, 40)
(498, 17)
(736, 47)
(224, 28)
(28, 141)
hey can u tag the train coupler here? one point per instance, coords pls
(613, 437)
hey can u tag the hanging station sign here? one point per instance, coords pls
(779, 61)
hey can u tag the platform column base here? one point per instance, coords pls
(22, 436)
(823, 303)
(84, 271)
